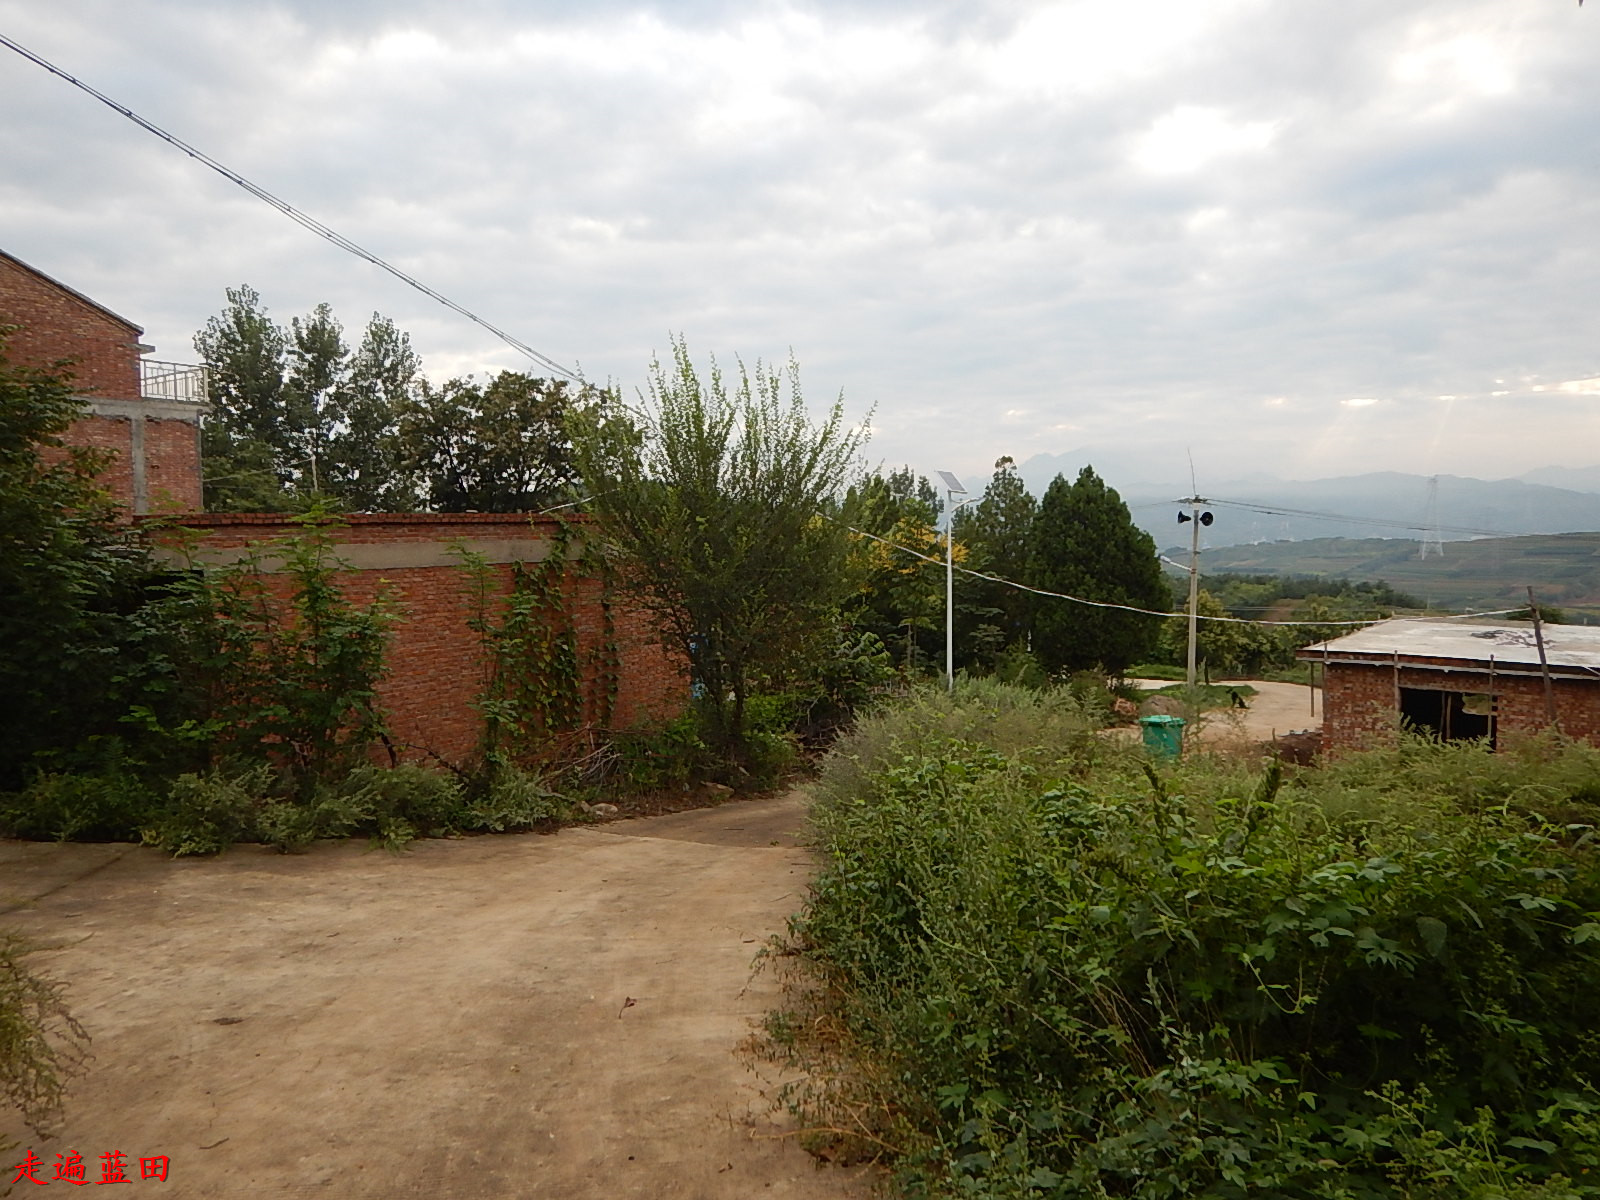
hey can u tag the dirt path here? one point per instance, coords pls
(450, 1022)
(1275, 709)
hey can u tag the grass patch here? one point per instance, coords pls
(1041, 968)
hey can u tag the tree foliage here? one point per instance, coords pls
(299, 416)
(997, 532)
(714, 489)
(499, 447)
(1085, 544)
(68, 574)
(899, 597)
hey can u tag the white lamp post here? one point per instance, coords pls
(952, 489)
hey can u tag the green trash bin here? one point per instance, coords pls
(1163, 736)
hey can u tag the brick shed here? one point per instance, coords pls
(1457, 681)
(147, 413)
(435, 670)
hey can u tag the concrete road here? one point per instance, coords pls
(491, 1017)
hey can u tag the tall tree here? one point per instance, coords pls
(245, 442)
(714, 489)
(296, 415)
(314, 395)
(1085, 544)
(501, 447)
(997, 532)
(900, 597)
(366, 467)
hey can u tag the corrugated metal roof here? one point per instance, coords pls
(1506, 642)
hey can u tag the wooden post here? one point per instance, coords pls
(1544, 664)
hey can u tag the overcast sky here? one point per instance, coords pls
(1301, 239)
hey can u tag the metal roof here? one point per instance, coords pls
(1508, 642)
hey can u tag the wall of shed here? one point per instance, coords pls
(1359, 701)
(435, 665)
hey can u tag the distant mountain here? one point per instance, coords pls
(1387, 504)
(1576, 479)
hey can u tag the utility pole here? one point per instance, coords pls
(1544, 662)
(1196, 518)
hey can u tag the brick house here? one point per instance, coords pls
(147, 413)
(1458, 681)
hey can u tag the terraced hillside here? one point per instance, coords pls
(1563, 568)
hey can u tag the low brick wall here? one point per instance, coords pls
(435, 667)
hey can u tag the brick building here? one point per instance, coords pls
(1458, 681)
(149, 415)
(146, 413)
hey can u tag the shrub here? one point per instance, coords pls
(1078, 978)
(108, 805)
(40, 1041)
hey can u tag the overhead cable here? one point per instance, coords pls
(294, 214)
(1278, 510)
(1022, 587)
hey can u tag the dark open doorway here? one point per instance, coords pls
(1448, 716)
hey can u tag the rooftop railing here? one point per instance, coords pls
(185, 382)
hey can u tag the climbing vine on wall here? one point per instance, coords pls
(539, 678)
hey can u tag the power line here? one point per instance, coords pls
(1274, 510)
(1023, 587)
(294, 214)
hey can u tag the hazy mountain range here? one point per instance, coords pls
(1387, 504)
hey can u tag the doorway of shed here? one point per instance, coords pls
(1449, 716)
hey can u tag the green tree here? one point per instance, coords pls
(714, 489)
(1085, 544)
(314, 397)
(500, 447)
(68, 573)
(366, 463)
(245, 442)
(997, 532)
(899, 597)
(296, 415)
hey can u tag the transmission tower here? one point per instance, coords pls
(1432, 543)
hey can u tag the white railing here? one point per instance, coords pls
(183, 382)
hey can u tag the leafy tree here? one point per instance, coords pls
(501, 447)
(714, 490)
(245, 439)
(366, 465)
(899, 596)
(997, 531)
(313, 395)
(296, 414)
(1085, 544)
(68, 573)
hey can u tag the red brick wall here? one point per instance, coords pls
(57, 323)
(435, 665)
(1359, 701)
(172, 466)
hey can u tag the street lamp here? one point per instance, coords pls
(952, 489)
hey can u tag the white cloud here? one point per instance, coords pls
(1190, 137)
(1117, 225)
